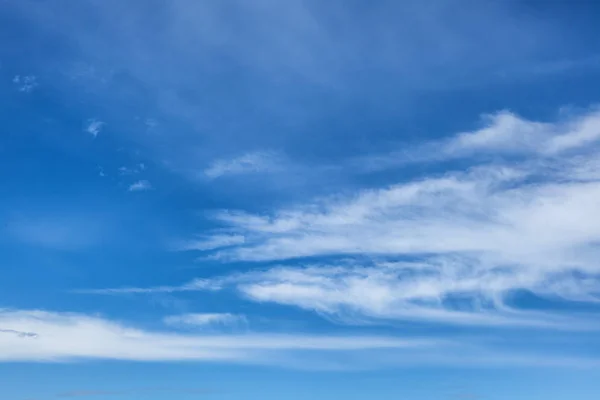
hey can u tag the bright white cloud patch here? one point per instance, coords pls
(247, 163)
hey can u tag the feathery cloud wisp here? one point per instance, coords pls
(528, 221)
(244, 164)
(68, 336)
(65, 337)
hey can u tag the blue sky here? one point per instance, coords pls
(291, 199)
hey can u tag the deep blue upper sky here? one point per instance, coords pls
(292, 199)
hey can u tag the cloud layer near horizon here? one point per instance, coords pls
(56, 336)
(70, 337)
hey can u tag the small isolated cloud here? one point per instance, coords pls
(204, 320)
(140, 186)
(94, 127)
(25, 84)
(245, 164)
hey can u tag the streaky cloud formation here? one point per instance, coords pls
(300, 199)
(70, 336)
(245, 164)
(502, 134)
(494, 209)
(523, 222)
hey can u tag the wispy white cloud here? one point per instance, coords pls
(447, 291)
(501, 134)
(204, 319)
(140, 186)
(507, 132)
(526, 221)
(497, 208)
(195, 285)
(67, 336)
(450, 290)
(244, 164)
(94, 127)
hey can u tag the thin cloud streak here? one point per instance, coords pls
(447, 290)
(70, 336)
(249, 163)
